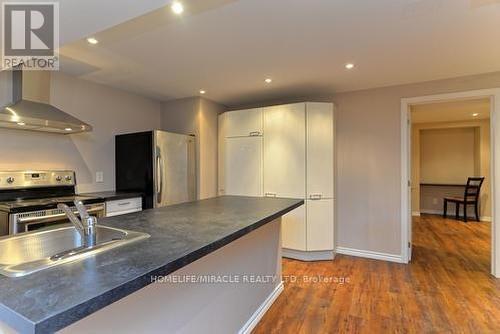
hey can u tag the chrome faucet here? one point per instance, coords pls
(86, 225)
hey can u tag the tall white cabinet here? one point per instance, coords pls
(285, 166)
(285, 151)
(221, 159)
(320, 177)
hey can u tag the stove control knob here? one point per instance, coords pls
(68, 177)
(58, 178)
(10, 179)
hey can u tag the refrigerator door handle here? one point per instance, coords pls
(159, 178)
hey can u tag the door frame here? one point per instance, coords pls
(494, 96)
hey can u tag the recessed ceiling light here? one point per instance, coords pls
(92, 40)
(202, 91)
(268, 80)
(177, 7)
(475, 114)
(68, 129)
(349, 66)
(21, 123)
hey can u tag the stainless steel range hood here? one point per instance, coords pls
(31, 108)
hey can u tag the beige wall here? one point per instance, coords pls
(424, 198)
(109, 111)
(448, 155)
(197, 116)
(180, 116)
(208, 147)
(369, 160)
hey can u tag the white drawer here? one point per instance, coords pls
(123, 206)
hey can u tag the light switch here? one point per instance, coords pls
(99, 177)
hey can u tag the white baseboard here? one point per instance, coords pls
(257, 316)
(452, 214)
(308, 256)
(415, 213)
(370, 254)
(435, 212)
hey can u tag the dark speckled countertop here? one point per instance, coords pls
(113, 195)
(52, 299)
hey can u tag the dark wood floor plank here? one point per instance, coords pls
(446, 289)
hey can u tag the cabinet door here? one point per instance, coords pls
(242, 123)
(221, 143)
(243, 166)
(320, 224)
(285, 151)
(320, 150)
(293, 229)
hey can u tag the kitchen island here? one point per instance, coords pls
(211, 265)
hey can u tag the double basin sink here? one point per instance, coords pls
(27, 253)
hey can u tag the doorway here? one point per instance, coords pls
(450, 143)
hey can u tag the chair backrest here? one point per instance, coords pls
(473, 188)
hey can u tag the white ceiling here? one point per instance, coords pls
(452, 111)
(228, 47)
(79, 18)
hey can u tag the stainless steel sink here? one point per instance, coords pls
(27, 253)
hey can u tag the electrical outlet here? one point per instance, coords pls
(435, 201)
(99, 177)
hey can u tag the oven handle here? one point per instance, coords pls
(55, 216)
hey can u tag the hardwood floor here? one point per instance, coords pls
(446, 289)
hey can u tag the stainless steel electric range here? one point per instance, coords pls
(28, 200)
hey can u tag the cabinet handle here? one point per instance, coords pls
(123, 203)
(270, 195)
(255, 133)
(315, 197)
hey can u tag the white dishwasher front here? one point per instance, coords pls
(123, 206)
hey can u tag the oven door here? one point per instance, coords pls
(35, 220)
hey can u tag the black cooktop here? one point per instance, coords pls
(33, 204)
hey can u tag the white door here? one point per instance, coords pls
(320, 150)
(293, 229)
(242, 123)
(285, 151)
(221, 138)
(320, 227)
(243, 166)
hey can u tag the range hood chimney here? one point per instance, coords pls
(31, 108)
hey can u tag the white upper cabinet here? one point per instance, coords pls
(285, 151)
(243, 166)
(243, 123)
(320, 150)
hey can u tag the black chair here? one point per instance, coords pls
(471, 197)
